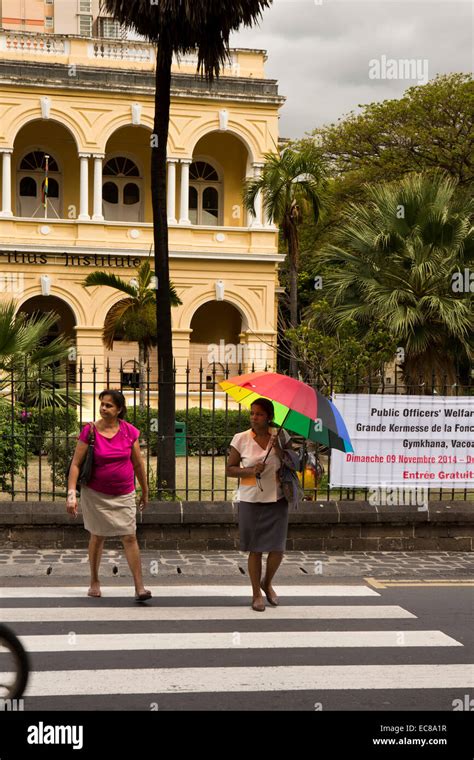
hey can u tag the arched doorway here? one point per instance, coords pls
(205, 194)
(65, 326)
(214, 341)
(36, 140)
(122, 190)
(126, 175)
(220, 165)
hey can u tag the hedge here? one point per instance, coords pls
(207, 433)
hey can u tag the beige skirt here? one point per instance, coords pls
(106, 514)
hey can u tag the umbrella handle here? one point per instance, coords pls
(273, 436)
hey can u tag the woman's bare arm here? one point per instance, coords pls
(234, 470)
(78, 458)
(139, 468)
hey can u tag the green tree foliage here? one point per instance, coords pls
(291, 185)
(134, 318)
(429, 128)
(392, 262)
(348, 359)
(32, 367)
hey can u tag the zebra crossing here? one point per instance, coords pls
(202, 641)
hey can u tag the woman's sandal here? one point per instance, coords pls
(143, 597)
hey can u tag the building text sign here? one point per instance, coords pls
(406, 441)
(70, 259)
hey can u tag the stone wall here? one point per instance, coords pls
(202, 526)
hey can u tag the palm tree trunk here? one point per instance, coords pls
(166, 401)
(293, 271)
(141, 374)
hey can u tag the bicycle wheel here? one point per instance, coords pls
(14, 665)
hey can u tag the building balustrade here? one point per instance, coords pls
(106, 52)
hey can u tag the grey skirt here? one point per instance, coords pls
(263, 526)
(108, 515)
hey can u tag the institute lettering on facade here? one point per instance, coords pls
(85, 105)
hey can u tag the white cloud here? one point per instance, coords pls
(320, 53)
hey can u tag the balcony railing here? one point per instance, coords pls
(41, 44)
(110, 52)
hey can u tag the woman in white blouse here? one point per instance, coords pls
(263, 510)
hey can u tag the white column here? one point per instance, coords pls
(6, 183)
(84, 191)
(98, 216)
(171, 195)
(184, 204)
(256, 221)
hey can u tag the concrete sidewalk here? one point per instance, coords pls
(296, 564)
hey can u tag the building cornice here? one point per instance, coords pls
(57, 76)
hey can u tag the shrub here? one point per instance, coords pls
(13, 447)
(206, 433)
(50, 426)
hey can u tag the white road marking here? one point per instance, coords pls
(291, 678)
(71, 592)
(118, 642)
(147, 612)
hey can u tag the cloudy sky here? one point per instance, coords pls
(321, 52)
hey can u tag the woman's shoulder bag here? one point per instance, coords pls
(85, 472)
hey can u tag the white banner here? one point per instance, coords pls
(406, 441)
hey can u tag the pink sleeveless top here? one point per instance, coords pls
(113, 469)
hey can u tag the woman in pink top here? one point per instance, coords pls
(108, 501)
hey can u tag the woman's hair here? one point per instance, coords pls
(266, 405)
(119, 400)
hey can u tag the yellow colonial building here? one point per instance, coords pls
(86, 106)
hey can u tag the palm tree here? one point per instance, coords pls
(133, 318)
(290, 185)
(393, 262)
(180, 27)
(29, 362)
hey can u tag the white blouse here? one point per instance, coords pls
(250, 454)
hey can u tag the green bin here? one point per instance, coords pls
(180, 439)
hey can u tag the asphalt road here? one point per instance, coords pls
(355, 647)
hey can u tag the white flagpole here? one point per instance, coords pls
(46, 168)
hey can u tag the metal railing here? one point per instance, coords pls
(38, 440)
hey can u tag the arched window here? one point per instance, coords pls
(28, 187)
(53, 188)
(121, 197)
(31, 178)
(131, 194)
(36, 161)
(205, 191)
(110, 193)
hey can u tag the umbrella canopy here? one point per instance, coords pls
(298, 407)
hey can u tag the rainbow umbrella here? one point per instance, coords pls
(298, 408)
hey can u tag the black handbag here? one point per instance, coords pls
(85, 472)
(289, 482)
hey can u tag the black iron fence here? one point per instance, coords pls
(41, 417)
